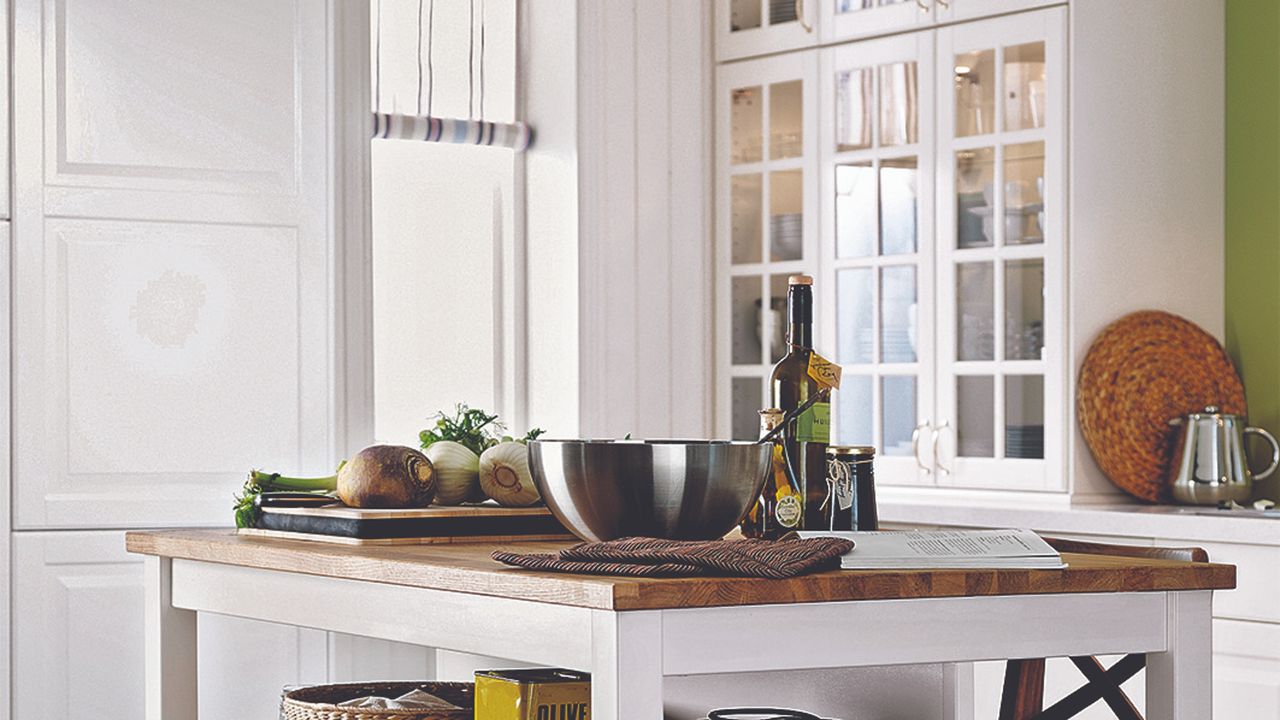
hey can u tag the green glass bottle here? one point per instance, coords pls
(807, 436)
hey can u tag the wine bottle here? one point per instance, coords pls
(795, 379)
(780, 507)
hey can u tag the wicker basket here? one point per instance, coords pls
(320, 702)
(1142, 371)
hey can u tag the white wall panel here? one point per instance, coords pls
(173, 320)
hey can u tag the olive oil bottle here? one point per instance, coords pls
(780, 507)
(797, 378)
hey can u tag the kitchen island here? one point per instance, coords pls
(630, 633)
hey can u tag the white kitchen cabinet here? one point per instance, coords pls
(78, 649)
(950, 289)
(767, 129)
(172, 303)
(1246, 670)
(840, 20)
(755, 27)
(875, 287)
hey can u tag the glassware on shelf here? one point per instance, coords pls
(746, 125)
(786, 107)
(975, 81)
(1024, 309)
(855, 303)
(975, 419)
(786, 215)
(744, 327)
(975, 176)
(898, 414)
(746, 200)
(1024, 86)
(975, 317)
(1024, 416)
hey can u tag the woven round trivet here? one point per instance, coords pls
(1142, 371)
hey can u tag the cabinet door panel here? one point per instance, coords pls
(841, 20)
(1246, 670)
(756, 27)
(767, 224)
(78, 652)
(875, 161)
(1001, 250)
(171, 269)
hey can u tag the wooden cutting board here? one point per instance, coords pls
(413, 525)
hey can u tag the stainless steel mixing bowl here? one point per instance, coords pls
(678, 489)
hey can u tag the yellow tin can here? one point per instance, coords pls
(533, 694)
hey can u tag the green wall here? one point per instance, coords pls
(1253, 206)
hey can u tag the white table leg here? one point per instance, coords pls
(626, 673)
(170, 640)
(1180, 680)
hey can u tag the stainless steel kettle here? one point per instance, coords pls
(1209, 461)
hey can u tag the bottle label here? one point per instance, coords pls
(824, 372)
(814, 424)
(787, 511)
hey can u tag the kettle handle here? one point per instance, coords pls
(1275, 451)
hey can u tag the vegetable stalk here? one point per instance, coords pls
(258, 482)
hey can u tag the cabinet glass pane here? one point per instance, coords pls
(898, 393)
(847, 6)
(744, 15)
(746, 125)
(1024, 193)
(898, 314)
(854, 302)
(853, 410)
(898, 198)
(778, 314)
(1024, 89)
(975, 422)
(854, 97)
(745, 329)
(782, 11)
(855, 210)
(899, 104)
(785, 119)
(975, 201)
(747, 401)
(975, 319)
(975, 92)
(786, 215)
(1024, 309)
(746, 206)
(1024, 416)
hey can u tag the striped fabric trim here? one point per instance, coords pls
(654, 557)
(388, 126)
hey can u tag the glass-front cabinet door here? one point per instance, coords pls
(840, 20)
(745, 28)
(876, 169)
(766, 221)
(1000, 420)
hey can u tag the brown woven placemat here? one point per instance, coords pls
(1142, 371)
(657, 557)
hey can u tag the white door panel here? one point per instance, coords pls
(78, 648)
(172, 266)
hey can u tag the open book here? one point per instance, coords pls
(946, 549)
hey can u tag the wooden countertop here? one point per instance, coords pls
(468, 568)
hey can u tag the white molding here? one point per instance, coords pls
(6, 474)
(351, 261)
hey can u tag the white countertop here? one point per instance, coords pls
(1118, 520)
